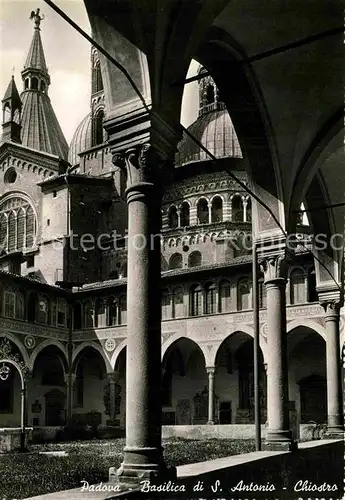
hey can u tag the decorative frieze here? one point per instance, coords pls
(206, 183)
(14, 326)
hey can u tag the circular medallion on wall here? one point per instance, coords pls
(29, 342)
(110, 345)
(10, 176)
(264, 330)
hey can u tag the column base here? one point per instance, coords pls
(334, 432)
(142, 465)
(279, 440)
(210, 422)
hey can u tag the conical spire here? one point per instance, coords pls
(35, 58)
(40, 127)
(11, 113)
(12, 95)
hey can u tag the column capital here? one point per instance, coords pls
(211, 370)
(112, 377)
(143, 166)
(73, 378)
(273, 255)
(331, 307)
(330, 299)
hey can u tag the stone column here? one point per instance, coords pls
(278, 433)
(70, 379)
(211, 375)
(245, 203)
(143, 456)
(335, 419)
(112, 378)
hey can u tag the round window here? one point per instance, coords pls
(10, 176)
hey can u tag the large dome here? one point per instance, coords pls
(81, 140)
(215, 131)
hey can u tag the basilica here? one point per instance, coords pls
(71, 278)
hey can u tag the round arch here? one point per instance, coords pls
(21, 348)
(173, 339)
(242, 329)
(306, 323)
(98, 348)
(44, 345)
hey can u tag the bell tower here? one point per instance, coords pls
(11, 117)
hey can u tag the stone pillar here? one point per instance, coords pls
(178, 217)
(245, 203)
(335, 419)
(143, 454)
(278, 434)
(211, 375)
(70, 379)
(112, 379)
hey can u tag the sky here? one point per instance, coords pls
(67, 56)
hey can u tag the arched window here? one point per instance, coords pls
(26, 83)
(122, 310)
(262, 294)
(32, 306)
(195, 300)
(89, 312)
(185, 214)
(173, 218)
(297, 287)
(6, 113)
(209, 94)
(20, 305)
(61, 317)
(249, 211)
(166, 304)
(97, 129)
(312, 294)
(177, 303)
(210, 299)
(217, 209)
(43, 310)
(237, 209)
(97, 82)
(244, 295)
(100, 313)
(112, 312)
(9, 303)
(77, 316)
(175, 261)
(224, 296)
(34, 83)
(194, 259)
(17, 224)
(202, 211)
(123, 271)
(42, 86)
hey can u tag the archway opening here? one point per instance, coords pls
(89, 388)
(234, 381)
(185, 392)
(47, 388)
(307, 375)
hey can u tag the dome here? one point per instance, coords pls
(214, 129)
(81, 140)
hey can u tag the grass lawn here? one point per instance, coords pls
(29, 474)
